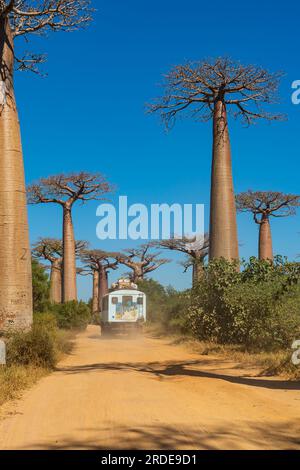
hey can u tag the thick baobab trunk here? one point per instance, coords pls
(15, 257)
(69, 257)
(265, 248)
(197, 271)
(223, 226)
(103, 285)
(137, 274)
(56, 282)
(195, 274)
(95, 301)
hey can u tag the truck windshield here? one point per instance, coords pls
(127, 300)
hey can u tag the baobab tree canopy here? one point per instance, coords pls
(193, 89)
(269, 203)
(97, 258)
(141, 261)
(67, 189)
(28, 17)
(48, 248)
(189, 246)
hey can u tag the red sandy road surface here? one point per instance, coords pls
(146, 393)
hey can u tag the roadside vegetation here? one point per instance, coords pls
(34, 353)
(250, 315)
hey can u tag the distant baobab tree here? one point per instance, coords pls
(141, 261)
(20, 19)
(51, 249)
(203, 91)
(99, 263)
(66, 190)
(263, 205)
(196, 251)
(89, 270)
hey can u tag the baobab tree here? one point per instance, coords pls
(66, 190)
(20, 19)
(196, 251)
(51, 249)
(204, 91)
(99, 263)
(263, 205)
(141, 261)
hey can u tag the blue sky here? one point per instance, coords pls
(88, 114)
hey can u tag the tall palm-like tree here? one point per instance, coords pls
(20, 19)
(208, 90)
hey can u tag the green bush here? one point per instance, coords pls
(46, 320)
(156, 298)
(208, 313)
(72, 315)
(258, 307)
(37, 347)
(40, 287)
(165, 305)
(264, 315)
(175, 311)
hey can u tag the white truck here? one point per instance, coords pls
(123, 309)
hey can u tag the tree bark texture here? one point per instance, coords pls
(223, 225)
(265, 250)
(69, 257)
(56, 282)
(95, 301)
(103, 286)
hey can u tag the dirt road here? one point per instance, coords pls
(147, 393)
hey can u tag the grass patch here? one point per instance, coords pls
(14, 379)
(32, 355)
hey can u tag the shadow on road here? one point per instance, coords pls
(183, 369)
(161, 437)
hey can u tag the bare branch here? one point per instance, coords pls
(30, 62)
